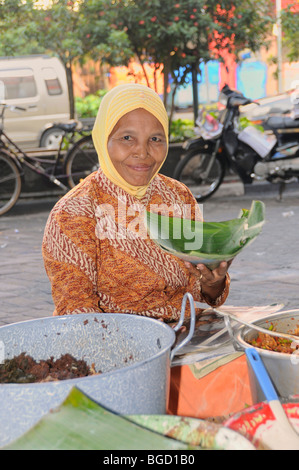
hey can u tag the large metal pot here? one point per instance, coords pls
(133, 352)
(283, 368)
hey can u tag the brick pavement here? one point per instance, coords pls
(264, 273)
(24, 287)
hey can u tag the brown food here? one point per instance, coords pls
(275, 343)
(24, 369)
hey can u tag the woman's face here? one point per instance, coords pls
(137, 146)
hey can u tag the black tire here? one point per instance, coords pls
(81, 161)
(189, 171)
(10, 183)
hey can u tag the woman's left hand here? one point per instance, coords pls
(212, 281)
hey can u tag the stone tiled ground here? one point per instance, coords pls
(24, 287)
(266, 272)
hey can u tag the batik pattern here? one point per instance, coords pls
(96, 264)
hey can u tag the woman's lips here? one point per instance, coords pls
(140, 168)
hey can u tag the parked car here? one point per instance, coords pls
(38, 84)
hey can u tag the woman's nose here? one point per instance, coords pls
(141, 150)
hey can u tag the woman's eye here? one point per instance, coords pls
(126, 137)
(156, 139)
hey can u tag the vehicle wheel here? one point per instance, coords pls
(10, 183)
(190, 171)
(80, 161)
(51, 138)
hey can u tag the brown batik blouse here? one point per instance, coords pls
(96, 263)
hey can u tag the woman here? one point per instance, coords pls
(94, 257)
(98, 261)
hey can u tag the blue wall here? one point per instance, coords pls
(250, 79)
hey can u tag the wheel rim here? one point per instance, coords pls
(52, 140)
(192, 175)
(82, 162)
(9, 185)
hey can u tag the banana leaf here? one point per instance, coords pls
(79, 423)
(206, 242)
(82, 424)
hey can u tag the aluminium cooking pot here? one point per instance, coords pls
(133, 352)
(282, 368)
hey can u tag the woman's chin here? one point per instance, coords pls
(141, 179)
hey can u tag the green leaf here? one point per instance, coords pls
(206, 242)
(79, 423)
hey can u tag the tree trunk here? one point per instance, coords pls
(143, 68)
(155, 77)
(69, 79)
(172, 104)
(195, 91)
(166, 70)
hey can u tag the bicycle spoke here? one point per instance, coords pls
(6, 178)
(200, 176)
(81, 161)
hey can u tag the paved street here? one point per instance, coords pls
(264, 273)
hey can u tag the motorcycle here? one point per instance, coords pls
(253, 154)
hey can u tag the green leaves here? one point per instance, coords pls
(290, 27)
(206, 242)
(89, 105)
(181, 129)
(81, 424)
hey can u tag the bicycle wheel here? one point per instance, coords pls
(191, 171)
(80, 161)
(10, 183)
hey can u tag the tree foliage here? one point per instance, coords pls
(290, 28)
(175, 35)
(69, 29)
(180, 34)
(74, 30)
(14, 18)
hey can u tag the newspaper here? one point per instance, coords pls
(259, 141)
(211, 338)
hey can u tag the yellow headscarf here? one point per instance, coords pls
(116, 103)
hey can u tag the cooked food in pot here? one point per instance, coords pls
(275, 343)
(24, 369)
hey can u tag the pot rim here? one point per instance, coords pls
(74, 381)
(243, 330)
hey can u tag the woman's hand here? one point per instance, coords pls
(212, 282)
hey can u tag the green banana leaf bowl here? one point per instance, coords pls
(206, 242)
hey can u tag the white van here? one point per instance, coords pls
(38, 84)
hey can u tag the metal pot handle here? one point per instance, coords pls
(186, 297)
(230, 330)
